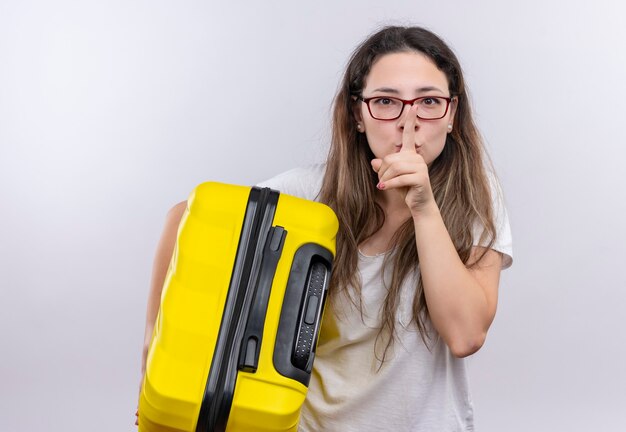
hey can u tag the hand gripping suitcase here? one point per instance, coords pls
(242, 303)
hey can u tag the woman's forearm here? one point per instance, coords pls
(460, 308)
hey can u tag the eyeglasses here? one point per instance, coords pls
(390, 108)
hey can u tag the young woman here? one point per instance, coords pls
(423, 236)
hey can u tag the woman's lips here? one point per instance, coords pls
(418, 149)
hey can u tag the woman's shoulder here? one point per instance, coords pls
(503, 242)
(304, 182)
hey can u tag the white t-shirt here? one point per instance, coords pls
(416, 389)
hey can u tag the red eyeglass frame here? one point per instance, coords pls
(404, 103)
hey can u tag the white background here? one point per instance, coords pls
(112, 111)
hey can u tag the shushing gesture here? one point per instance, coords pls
(406, 170)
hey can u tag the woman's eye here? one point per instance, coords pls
(384, 101)
(429, 101)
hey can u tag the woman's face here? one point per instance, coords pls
(405, 75)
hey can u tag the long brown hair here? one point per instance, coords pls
(459, 182)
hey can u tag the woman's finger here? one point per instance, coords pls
(408, 134)
(400, 163)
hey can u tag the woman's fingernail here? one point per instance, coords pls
(380, 185)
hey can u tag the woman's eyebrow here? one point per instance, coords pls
(418, 90)
(428, 88)
(386, 90)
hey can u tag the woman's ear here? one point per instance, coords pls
(357, 114)
(453, 105)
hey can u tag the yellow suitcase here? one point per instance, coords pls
(234, 341)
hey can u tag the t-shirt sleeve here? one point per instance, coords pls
(304, 182)
(504, 241)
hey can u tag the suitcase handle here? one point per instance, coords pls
(301, 313)
(310, 317)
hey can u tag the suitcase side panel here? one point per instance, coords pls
(244, 302)
(189, 318)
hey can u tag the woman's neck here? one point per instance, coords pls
(393, 204)
(396, 213)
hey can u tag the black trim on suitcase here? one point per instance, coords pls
(220, 386)
(301, 313)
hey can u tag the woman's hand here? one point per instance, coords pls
(406, 170)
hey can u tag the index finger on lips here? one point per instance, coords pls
(408, 134)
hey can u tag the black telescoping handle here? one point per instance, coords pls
(253, 335)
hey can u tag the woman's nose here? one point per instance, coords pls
(407, 110)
